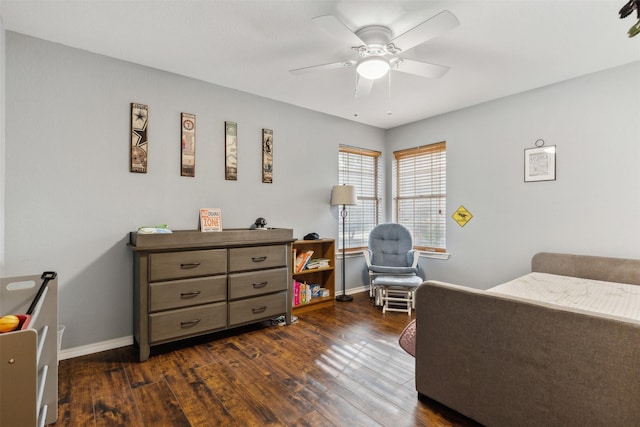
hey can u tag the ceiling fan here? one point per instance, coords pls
(378, 53)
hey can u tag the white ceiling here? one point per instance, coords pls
(500, 47)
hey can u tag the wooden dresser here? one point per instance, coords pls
(191, 283)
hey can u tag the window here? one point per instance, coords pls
(361, 168)
(420, 194)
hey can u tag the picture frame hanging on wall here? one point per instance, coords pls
(267, 156)
(188, 145)
(540, 163)
(139, 143)
(231, 151)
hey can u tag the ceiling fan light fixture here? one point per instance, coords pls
(373, 67)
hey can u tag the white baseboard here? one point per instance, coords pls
(83, 350)
(352, 291)
(69, 353)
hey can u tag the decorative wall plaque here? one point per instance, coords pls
(188, 145)
(231, 151)
(139, 143)
(267, 156)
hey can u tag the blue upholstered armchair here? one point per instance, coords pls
(391, 255)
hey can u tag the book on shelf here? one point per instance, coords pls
(210, 219)
(315, 291)
(302, 259)
(303, 292)
(318, 263)
(296, 293)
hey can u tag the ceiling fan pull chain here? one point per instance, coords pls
(355, 97)
(389, 112)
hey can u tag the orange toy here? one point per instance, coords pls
(9, 323)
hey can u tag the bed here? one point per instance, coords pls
(504, 358)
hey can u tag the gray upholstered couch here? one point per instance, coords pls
(508, 362)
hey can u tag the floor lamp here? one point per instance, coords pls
(343, 195)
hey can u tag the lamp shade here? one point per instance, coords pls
(343, 195)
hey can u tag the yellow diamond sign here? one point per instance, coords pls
(462, 216)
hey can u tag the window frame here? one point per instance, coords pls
(376, 197)
(432, 153)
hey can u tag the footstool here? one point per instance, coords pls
(396, 293)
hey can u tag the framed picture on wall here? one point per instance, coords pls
(188, 145)
(231, 151)
(540, 164)
(267, 156)
(139, 145)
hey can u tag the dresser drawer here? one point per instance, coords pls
(187, 321)
(257, 308)
(254, 283)
(187, 292)
(257, 257)
(176, 265)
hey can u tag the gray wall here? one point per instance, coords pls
(71, 200)
(592, 208)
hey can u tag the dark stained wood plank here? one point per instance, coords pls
(313, 419)
(109, 381)
(309, 378)
(235, 398)
(262, 386)
(199, 403)
(140, 374)
(117, 409)
(336, 366)
(75, 403)
(158, 406)
(333, 378)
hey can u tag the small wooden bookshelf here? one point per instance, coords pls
(323, 276)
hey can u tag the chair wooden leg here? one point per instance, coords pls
(397, 296)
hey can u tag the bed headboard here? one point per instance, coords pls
(619, 270)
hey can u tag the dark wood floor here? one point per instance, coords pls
(339, 366)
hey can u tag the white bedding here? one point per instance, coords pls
(617, 299)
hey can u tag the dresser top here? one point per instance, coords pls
(197, 239)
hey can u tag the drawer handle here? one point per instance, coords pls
(260, 285)
(189, 294)
(189, 265)
(189, 323)
(259, 309)
(258, 258)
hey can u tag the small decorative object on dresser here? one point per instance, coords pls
(210, 219)
(259, 224)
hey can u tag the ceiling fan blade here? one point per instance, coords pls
(363, 87)
(422, 69)
(323, 67)
(337, 29)
(429, 29)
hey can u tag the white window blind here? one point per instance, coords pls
(420, 194)
(361, 168)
